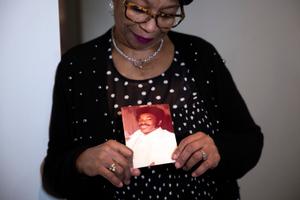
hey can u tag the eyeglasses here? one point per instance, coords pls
(139, 14)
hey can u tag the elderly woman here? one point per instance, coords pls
(140, 61)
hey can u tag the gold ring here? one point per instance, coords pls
(112, 167)
(204, 155)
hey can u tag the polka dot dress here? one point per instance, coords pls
(177, 87)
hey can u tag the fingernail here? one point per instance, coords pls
(177, 165)
(120, 185)
(175, 156)
(127, 182)
(194, 175)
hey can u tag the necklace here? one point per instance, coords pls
(138, 63)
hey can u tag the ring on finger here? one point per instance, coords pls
(112, 167)
(204, 155)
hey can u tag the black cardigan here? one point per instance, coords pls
(239, 145)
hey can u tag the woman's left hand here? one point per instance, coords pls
(194, 149)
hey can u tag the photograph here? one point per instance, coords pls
(149, 133)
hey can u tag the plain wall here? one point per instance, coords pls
(260, 40)
(29, 54)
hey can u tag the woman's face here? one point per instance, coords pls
(143, 35)
(147, 122)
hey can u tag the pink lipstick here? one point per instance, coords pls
(142, 39)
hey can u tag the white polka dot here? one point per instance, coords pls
(176, 74)
(108, 72)
(139, 102)
(175, 106)
(140, 85)
(113, 95)
(172, 90)
(166, 81)
(143, 93)
(182, 64)
(149, 103)
(158, 97)
(125, 83)
(150, 81)
(153, 88)
(126, 97)
(116, 79)
(116, 106)
(182, 99)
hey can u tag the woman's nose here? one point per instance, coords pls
(150, 26)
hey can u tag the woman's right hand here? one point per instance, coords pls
(97, 161)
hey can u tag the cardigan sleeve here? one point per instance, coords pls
(240, 139)
(59, 173)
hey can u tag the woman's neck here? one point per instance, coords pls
(154, 68)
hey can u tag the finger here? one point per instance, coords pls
(210, 163)
(182, 145)
(135, 171)
(124, 150)
(110, 176)
(187, 152)
(118, 171)
(124, 166)
(204, 166)
(194, 159)
(123, 156)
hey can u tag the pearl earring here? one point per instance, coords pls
(111, 5)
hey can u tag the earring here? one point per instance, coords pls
(111, 6)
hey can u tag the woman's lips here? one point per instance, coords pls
(142, 39)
